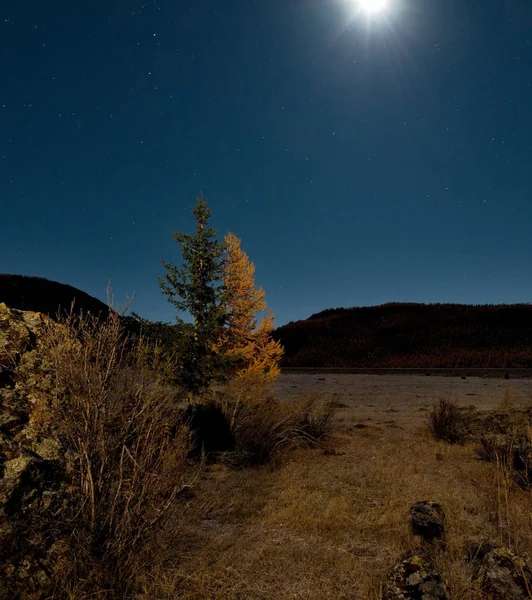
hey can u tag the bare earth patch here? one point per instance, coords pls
(329, 524)
(403, 398)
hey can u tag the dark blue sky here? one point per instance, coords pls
(359, 162)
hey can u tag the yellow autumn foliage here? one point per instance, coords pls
(249, 344)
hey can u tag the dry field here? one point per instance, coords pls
(402, 399)
(329, 523)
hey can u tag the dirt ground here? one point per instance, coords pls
(403, 399)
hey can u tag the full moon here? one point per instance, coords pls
(373, 6)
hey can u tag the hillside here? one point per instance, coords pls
(412, 335)
(38, 294)
(395, 335)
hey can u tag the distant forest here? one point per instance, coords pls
(409, 335)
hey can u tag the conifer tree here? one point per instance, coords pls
(196, 287)
(248, 345)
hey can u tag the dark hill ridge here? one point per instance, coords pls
(42, 295)
(409, 335)
(395, 335)
(38, 294)
(50, 297)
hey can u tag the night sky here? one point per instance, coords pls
(361, 160)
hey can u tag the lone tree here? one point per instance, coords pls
(196, 287)
(249, 346)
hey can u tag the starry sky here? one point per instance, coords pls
(361, 160)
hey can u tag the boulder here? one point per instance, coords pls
(427, 520)
(503, 574)
(414, 577)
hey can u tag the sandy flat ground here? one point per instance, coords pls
(403, 400)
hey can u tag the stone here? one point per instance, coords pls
(427, 520)
(14, 339)
(414, 577)
(514, 450)
(503, 574)
(522, 460)
(31, 466)
(495, 444)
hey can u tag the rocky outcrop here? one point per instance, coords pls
(414, 577)
(514, 449)
(32, 483)
(503, 574)
(522, 460)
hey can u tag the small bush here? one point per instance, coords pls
(449, 422)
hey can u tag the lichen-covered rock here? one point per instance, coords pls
(14, 339)
(32, 466)
(495, 444)
(13, 411)
(414, 577)
(515, 450)
(503, 574)
(522, 460)
(427, 520)
(503, 422)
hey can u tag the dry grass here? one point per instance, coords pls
(508, 399)
(320, 522)
(120, 426)
(330, 525)
(264, 427)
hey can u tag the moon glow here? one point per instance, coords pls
(373, 7)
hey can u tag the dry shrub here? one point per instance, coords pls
(241, 392)
(315, 416)
(449, 422)
(264, 426)
(125, 446)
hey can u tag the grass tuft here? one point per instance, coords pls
(264, 427)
